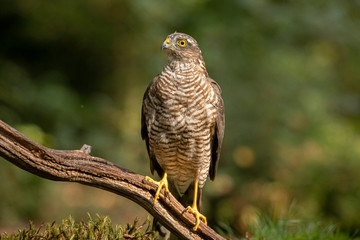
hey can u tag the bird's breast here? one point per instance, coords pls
(181, 126)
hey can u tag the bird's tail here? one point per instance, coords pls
(164, 234)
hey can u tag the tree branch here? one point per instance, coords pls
(79, 166)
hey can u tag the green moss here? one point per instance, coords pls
(101, 228)
(94, 228)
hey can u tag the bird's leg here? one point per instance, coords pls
(162, 183)
(194, 209)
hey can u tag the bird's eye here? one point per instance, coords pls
(181, 42)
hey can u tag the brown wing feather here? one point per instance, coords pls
(218, 132)
(154, 165)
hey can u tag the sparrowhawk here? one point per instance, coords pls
(183, 123)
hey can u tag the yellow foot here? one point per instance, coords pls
(197, 215)
(162, 183)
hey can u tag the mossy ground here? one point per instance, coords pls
(102, 228)
(94, 228)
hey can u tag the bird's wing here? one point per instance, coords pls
(154, 165)
(217, 133)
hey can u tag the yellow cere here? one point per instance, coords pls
(181, 42)
(167, 41)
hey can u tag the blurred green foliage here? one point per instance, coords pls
(74, 72)
(287, 229)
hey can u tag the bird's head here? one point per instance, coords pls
(181, 46)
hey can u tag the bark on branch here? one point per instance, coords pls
(79, 166)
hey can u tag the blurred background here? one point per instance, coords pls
(74, 72)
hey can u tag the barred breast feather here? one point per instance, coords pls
(181, 106)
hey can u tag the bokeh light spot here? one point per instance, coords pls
(244, 156)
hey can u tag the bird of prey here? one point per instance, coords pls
(183, 124)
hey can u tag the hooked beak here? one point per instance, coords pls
(166, 44)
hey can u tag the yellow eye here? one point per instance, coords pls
(181, 42)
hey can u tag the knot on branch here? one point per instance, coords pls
(86, 149)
